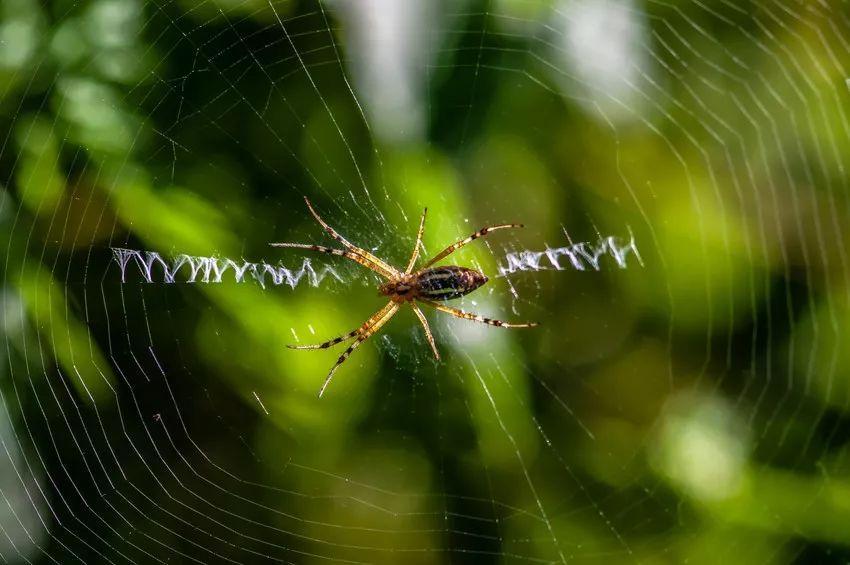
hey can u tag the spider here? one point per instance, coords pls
(426, 285)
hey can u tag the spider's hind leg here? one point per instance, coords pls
(418, 244)
(458, 244)
(457, 313)
(427, 329)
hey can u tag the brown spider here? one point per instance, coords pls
(425, 285)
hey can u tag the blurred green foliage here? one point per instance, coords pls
(693, 409)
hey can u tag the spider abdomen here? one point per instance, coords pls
(446, 283)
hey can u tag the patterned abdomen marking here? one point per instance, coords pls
(446, 283)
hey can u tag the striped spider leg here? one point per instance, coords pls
(364, 332)
(418, 243)
(455, 311)
(458, 313)
(369, 261)
(429, 285)
(351, 251)
(427, 329)
(409, 270)
(342, 253)
(361, 329)
(460, 243)
(353, 248)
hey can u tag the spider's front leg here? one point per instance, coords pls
(378, 264)
(387, 313)
(353, 333)
(354, 256)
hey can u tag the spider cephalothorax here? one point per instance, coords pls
(427, 285)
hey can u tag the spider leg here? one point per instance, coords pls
(342, 253)
(364, 335)
(415, 254)
(362, 252)
(458, 244)
(427, 329)
(360, 329)
(457, 313)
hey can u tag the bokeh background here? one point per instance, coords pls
(692, 408)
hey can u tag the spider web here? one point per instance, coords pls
(686, 402)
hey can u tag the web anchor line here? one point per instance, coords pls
(195, 269)
(581, 256)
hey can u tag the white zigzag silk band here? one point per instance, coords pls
(580, 256)
(214, 269)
